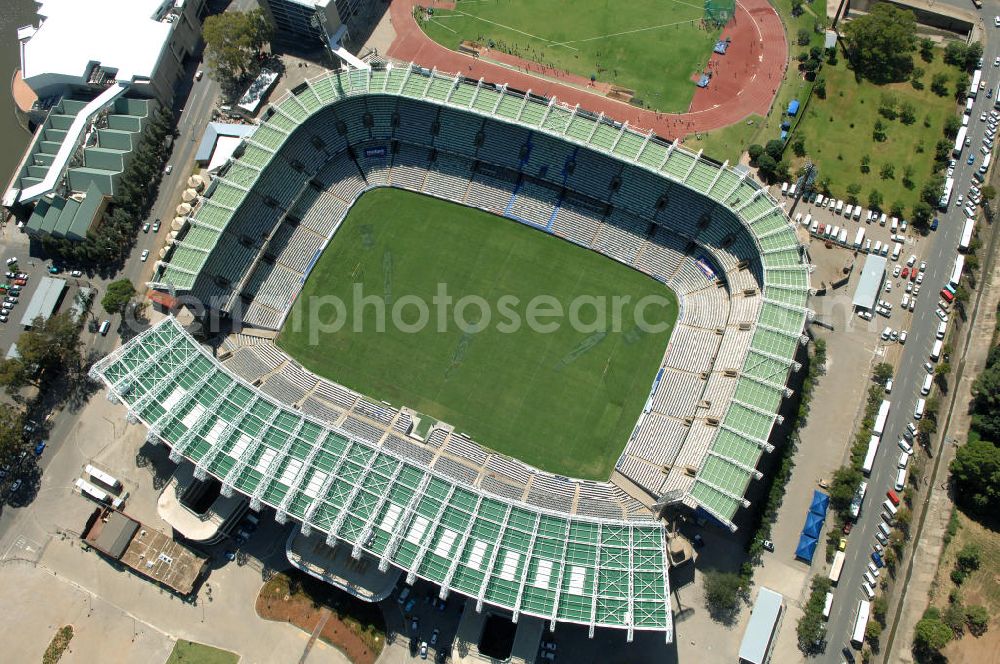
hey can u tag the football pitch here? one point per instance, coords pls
(652, 47)
(561, 393)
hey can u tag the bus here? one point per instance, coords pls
(837, 568)
(883, 415)
(861, 623)
(956, 274)
(996, 100)
(103, 478)
(866, 467)
(949, 185)
(977, 76)
(97, 494)
(970, 226)
(960, 142)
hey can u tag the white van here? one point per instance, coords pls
(900, 479)
(878, 246)
(840, 206)
(941, 329)
(881, 220)
(857, 213)
(814, 227)
(889, 507)
(791, 191)
(894, 226)
(925, 389)
(808, 220)
(784, 188)
(918, 410)
(884, 528)
(895, 251)
(105, 326)
(936, 350)
(827, 605)
(848, 210)
(820, 199)
(903, 460)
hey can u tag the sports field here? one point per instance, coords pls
(650, 46)
(564, 400)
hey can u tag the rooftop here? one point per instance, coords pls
(871, 281)
(124, 36)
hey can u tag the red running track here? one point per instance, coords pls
(744, 81)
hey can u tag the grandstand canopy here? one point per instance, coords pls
(870, 283)
(590, 571)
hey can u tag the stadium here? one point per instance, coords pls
(424, 497)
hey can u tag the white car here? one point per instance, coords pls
(996, 21)
(923, 265)
(888, 386)
(888, 287)
(951, 172)
(896, 270)
(959, 200)
(902, 336)
(144, 255)
(76, 273)
(905, 446)
(982, 117)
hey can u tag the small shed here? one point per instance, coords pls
(793, 107)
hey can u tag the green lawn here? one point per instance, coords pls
(650, 46)
(732, 141)
(189, 652)
(562, 400)
(838, 133)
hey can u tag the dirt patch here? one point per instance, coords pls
(354, 627)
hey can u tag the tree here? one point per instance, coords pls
(939, 84)
(117, 296)
(803, 37)
(722, 594)
(767, 166)
(976, 473)
(888, 171)
(799, 145)
(872, 632)
(811, 629)
(797, 8)
(969, 558)
(954, 53)
(989, 192)
(11, 432)
(845, 482)
(775, 148)
(907, 113)
(977, 618)
(922, 213)
(755, 151)
(875, 197)
(931, 634)
(820, 87)
(951, 126)
(880, 44)
(878, 131)
(973, 54)
(51, 344)
(882, 372)
(927, 49)
(866, 162)
(954, 618)
(880, 607)
(853, 190)
(233, 44)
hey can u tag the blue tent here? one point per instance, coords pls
(814, 525)
(793, 107)
(820, 503)
(806, 548)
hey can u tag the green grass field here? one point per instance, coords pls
(189, 652)
(650, 46)
(565, 400)
(838, 133)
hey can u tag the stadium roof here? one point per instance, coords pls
(596, 572)
(871, 281)
(44, 301)
(726, 452)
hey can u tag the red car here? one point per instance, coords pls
(847, 527)
(913, 275)
(892, 497)
(20, 282)
(905, 273)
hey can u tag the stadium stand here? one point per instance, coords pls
(708, 232)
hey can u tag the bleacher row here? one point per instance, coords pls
(620, 235)
(261, 363)
(579, 175)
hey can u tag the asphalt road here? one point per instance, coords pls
(910, 371)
